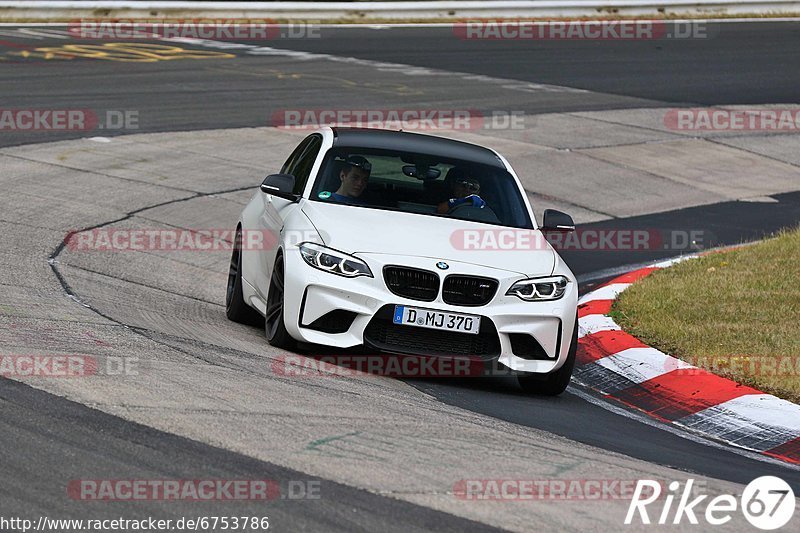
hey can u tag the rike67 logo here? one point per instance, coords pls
(767, 503)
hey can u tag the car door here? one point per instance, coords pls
(275, 209)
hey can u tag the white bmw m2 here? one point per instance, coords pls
(406, 243)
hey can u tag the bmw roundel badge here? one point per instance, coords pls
(441, 265)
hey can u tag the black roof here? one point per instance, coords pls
(402, 141)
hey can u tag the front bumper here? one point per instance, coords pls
(311, 294)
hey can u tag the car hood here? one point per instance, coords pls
(373, 231)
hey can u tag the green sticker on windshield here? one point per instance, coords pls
(324, 195)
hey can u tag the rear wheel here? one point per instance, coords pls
(274, 325)
(235, 307)
(554, 383)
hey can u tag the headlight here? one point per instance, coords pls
(537, 289)
(333, 261)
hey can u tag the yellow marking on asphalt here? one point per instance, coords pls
(36, 54)
(122, 52)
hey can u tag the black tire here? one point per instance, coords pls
(235, 307)
(556, 382)
(274, 326)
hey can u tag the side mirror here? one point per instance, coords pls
(280, 185)
(557, 221)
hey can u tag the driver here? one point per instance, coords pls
(465, 189)
(354, 177)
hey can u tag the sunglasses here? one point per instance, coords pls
(366, 165)
(470, 185)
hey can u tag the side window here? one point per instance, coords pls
(301, 167)
(285, 169)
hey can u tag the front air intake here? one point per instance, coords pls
(412, 283)
(468, 290)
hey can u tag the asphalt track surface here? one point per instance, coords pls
(737, 64)
(741, 64)
(734, 64)
(36, 426)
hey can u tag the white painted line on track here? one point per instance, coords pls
(383, 66)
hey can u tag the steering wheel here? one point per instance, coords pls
(468, 211)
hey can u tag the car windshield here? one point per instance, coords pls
(422, 184)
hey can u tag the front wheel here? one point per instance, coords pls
(554, 383)
(273, 324)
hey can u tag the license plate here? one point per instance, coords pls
(426, 318)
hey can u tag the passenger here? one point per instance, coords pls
(464, 189)
(354, 178)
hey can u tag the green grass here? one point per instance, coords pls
(736, 313)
